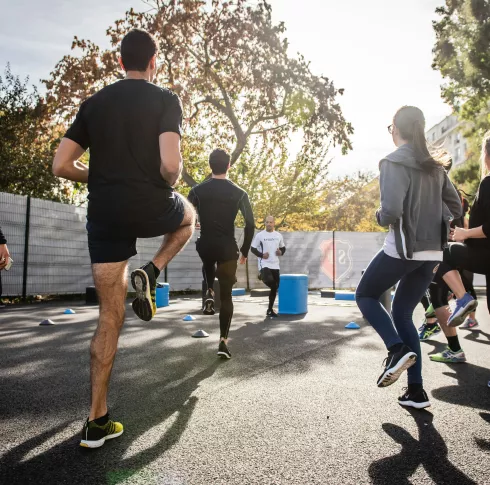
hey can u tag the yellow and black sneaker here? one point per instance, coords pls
(94, 435)
(144, 281)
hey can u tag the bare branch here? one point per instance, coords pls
(261, 132)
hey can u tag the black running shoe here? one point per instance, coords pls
(208, 308)
(94, 436)
(223, 351)
(144, 283)
(418, 399)
(272, 314)
(396, 364)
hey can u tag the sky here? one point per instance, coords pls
(379, 51)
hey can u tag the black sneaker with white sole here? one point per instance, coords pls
(417, 399)
(272, 314)
(223, 351)
(396, 364)
(208, 308)
(144, 282)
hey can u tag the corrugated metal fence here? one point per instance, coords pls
(58, 260)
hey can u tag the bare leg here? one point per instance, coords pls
(175, 241)
(111, 284)
(454, 281)
(443, 315)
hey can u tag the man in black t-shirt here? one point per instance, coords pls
(132, 129)
(218, 201)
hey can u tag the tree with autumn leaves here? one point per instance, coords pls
(241, 90)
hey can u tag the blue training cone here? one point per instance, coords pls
(353, 326)
(69, 311)
(188, 318)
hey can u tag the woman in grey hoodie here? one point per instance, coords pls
(418, 202)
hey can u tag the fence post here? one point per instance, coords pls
(26, 247)
(246, 271)
(334, 259)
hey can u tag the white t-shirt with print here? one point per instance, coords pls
(268, 242)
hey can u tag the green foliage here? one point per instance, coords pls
(462, 55)
(27, 145)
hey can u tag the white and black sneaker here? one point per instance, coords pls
(417, 399)
(208, 308)
(223, 351)
(396, 364)
(272, 314)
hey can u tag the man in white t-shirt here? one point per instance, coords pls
(269, 246)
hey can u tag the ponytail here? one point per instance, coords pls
(410, 122)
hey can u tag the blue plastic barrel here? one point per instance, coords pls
(163, 294)
(293, 294)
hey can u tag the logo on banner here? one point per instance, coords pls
(342, 258)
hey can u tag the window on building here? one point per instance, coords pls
(443, 130)
(458, 137)
(457, 155)
(434, 136)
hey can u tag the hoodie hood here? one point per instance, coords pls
(404, 155)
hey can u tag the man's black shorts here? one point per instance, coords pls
(111, 243)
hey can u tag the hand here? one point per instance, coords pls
(278, 252)
(243, 259)
(198, 226)
(4, 255)
(265, 256)
(458, 234)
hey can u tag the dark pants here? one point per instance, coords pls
(274, 286)
(439, 291)
(414, 277)
(214, 266)
(463, 257)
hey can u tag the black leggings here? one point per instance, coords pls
(467, 260)
(274, 287)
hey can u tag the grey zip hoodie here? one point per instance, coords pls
(419, 206)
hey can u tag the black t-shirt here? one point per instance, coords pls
(480, 215)
(120, 126)
(218, 201)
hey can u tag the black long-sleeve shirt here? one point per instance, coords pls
(480, 215)
(2, 237)
(217, 202)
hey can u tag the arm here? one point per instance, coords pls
(194, 200)
(282, 248)
(393, 185)
(4, 251)
(248, 215)
(170, 159)
(169, 139)
(256, 252)
(451, 198)
(66, 164)
(76, 140)
(481, 232)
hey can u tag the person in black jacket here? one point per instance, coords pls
(470, 249)
(4, 258)
(218, 201)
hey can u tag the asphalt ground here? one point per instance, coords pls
(297, 403)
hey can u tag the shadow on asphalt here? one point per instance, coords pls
(484, 444)
(153, 389)
(470, 388)
(429, 451)
(475, 334)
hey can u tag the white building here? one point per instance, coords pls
(448, 134)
